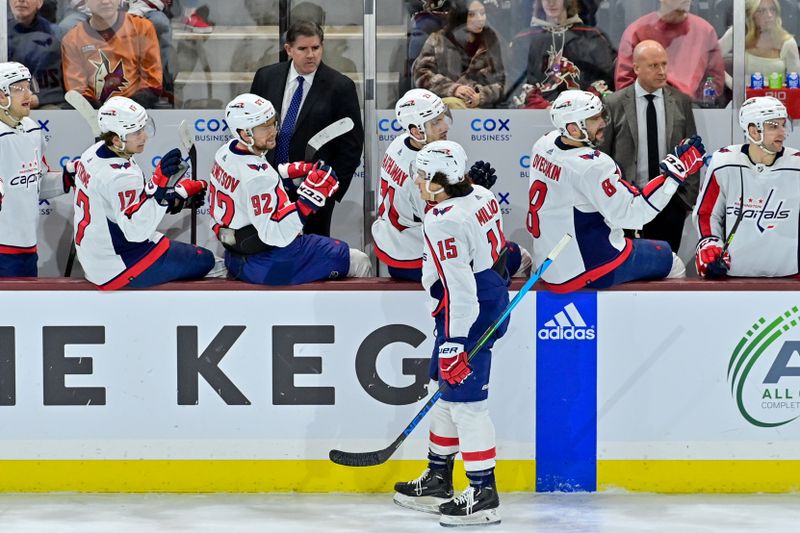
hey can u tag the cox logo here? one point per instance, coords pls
(525, 161)
(386, 125)
(490, 124)
(64, 159)
(212, 124)
(43, 124)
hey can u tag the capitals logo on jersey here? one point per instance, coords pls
(262, 166)
(765, 211)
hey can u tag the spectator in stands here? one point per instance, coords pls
(36, 43)
(768, 47)
(309, 95)
(195, 17)
(156, 12)
(463, 63)
(557, 53)
(691, 45)
(644, 120)
(112, 54)
(424, 19)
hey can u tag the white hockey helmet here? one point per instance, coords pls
(574, 107)
(122, 116)
(10, 73)
(417, 107)
(758, 110)
(447, 157)
(245, 112)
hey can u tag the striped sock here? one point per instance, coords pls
(481, 478)
(439, 462)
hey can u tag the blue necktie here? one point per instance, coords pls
(287, 128)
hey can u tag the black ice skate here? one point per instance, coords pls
(428, 491)
(473, 507)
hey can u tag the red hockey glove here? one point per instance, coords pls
(298, 169)
(685, 160)
(318, 186)
(710, 261)
(453, 365)
(187, 193)
(168, 173)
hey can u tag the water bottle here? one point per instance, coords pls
(709, 93)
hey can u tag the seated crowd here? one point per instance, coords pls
(630, 105)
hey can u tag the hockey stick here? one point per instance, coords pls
(381, 456)
(191, 150)
(720, 263)
(82, 106)
(322, 137)
(326, 135)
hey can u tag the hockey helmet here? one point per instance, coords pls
(11, 72)
(574, 107)
(758, 110)
(417, 107)
(447, 157)
(123, 116)
(247, 111)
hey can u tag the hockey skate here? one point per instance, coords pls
(473, 507)
(427, 492)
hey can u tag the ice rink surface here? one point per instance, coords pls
(335, 513)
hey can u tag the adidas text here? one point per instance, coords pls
(566, 333)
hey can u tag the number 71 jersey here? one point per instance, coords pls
(579, 190)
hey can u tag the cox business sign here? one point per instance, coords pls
(211, 129)
(496, 129)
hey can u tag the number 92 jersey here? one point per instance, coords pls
(244, 189)
(580, 191)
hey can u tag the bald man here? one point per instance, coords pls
(646, 118)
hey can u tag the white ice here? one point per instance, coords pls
(335, 513)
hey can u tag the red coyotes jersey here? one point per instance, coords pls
(126, 63)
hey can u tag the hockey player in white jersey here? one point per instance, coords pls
(577, 189)
(464, 273)
(260, 228)
(24, 175)
(397, 231)
(757, 186)
(117, 209)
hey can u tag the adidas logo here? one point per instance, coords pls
(567, 324)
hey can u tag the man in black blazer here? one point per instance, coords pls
(326, 97)
(628, 140)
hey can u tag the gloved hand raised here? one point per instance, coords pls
(168, 173)
(481, 173)
(685, 160)
(319, 185)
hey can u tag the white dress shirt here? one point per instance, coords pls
(641, 120)
(291, 86)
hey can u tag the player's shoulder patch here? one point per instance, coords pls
(258, 167)
(594, 154)
(120, 166)
(441, 211)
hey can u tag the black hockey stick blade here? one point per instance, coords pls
(381, 456)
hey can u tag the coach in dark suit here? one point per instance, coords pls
(305, 107)
(646, 120)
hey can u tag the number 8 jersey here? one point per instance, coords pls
(580, 191)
